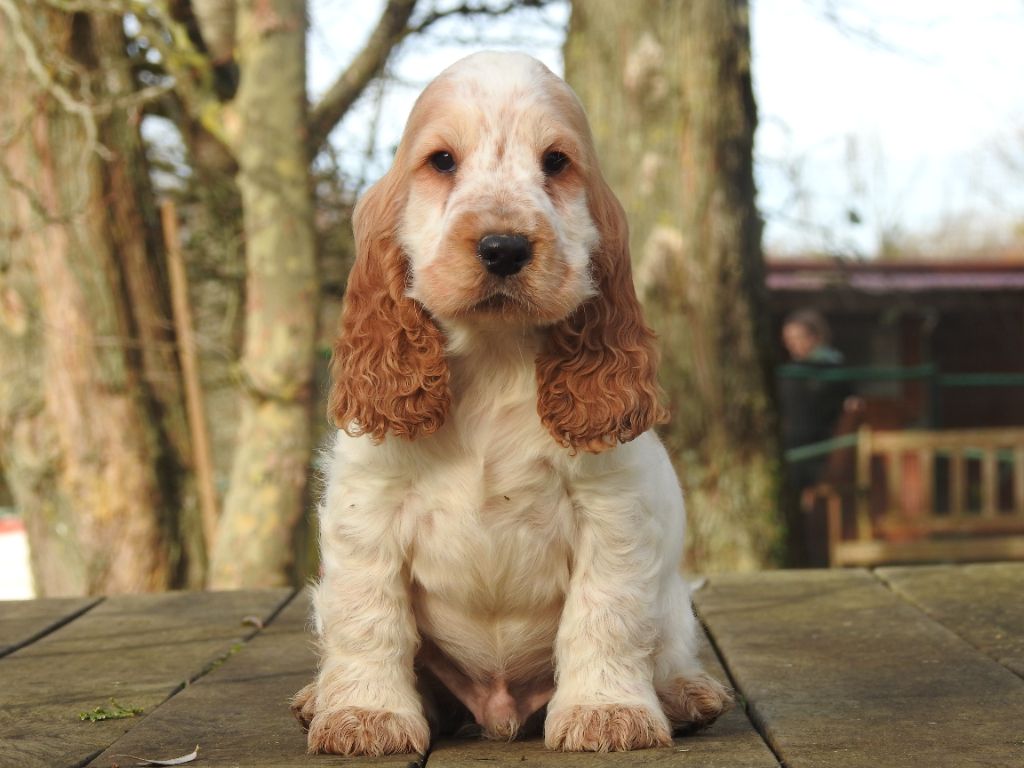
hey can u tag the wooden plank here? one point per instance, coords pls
(238, 714)
(25, 621)
(136, 649)
(1002, 524)
(983, 603)
(952, 439)
(841, 672)
(929, 550)
(731, 742)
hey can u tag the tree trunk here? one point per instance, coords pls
(667, 86)
(91, 424)
(271, 463)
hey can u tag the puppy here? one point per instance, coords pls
(499, 519)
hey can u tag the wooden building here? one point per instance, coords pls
(935, 351)
(963, 319)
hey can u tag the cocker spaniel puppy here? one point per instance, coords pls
(500, 522)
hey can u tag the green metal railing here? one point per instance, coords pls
(898, 373)
(857, 373)
(814, 450)
(928, 374)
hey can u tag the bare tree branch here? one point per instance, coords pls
(172, 31)
(35, 65)
(391, 29)
(860, 30)
(474, 9)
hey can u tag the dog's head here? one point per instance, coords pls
(494, 211)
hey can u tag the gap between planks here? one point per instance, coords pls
(749, 708)
(202, 637)
(206, 669)
(51, 628)
(981, 631)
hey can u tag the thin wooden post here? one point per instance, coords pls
(989, 479)
(864, 484)
(895, 501)
(190, 372)
(926, 457)
(1018, 481)
(834, 507)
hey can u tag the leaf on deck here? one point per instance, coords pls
(169, 761)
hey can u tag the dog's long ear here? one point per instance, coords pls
(596, 377)
(389, 370)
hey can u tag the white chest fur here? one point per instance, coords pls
(492, 524)
(483, 516)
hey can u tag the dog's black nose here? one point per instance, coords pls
(504, 255)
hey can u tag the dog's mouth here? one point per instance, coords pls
(516, 300)
(499, 303)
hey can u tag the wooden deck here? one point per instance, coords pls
(920, 667)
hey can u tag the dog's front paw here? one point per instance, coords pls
(605, 728)
(303, 705)
(694, 703)
(362, 731)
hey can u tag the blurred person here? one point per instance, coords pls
(807, 338)
(811, 405)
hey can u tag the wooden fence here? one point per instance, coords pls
(925, 496)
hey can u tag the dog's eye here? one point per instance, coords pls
(554, 162)
(443, 162)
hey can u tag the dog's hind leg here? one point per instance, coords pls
(690, 698)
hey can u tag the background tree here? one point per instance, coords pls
(266, 493)
(91, 426)
(667, 87)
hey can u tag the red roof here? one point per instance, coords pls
(875, 277)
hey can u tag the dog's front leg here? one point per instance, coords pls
(364, 699)
(604, 652)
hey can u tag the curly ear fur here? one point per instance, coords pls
(388, 369)
(597, 376)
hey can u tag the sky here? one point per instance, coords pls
(894, 111)
(876, 119)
